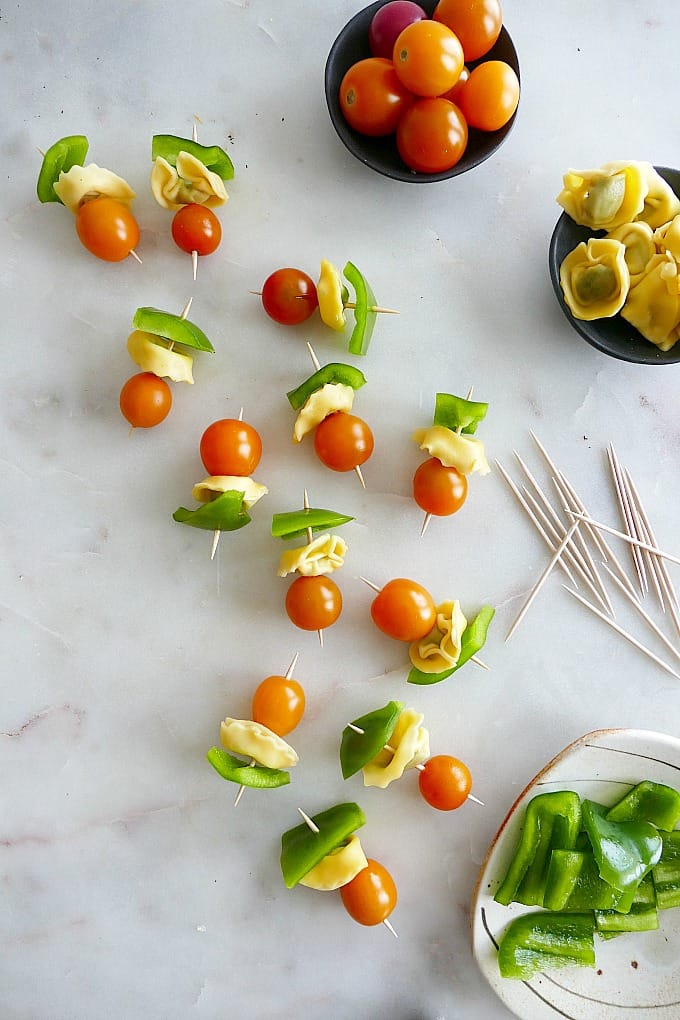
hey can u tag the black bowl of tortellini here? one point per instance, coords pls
(615, 260)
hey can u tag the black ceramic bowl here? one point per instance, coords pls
(613, 336)
(381, 153)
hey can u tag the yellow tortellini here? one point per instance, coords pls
(214, 485)
(152, 355)
(338, 867)
(329, 293)
(409, 745)
(440, 649)
(329, 398)
(661, 202)
(638, 241)
(606, 197)
(253, 740)
(595, 279)
(465, 453)
(91, 181)
(322, 555)
(667, 238)
(653, 304)
(188, 182)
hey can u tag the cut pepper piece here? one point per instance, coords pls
(364, 311)
(60, 157)
(648, 802)
(666, 874)
(642, 916)
(590, 892)
(458, 413)
(294, 523)
(172, 327)
(225, 513)
(333, 372)
(543, 941)
(212, 156)
(236, 770)
(473, 638)
(624, 851)
(564, 870)
(357, 749)
(302, 849)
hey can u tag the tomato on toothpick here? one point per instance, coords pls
(313, 603)
(289, 296)
(279, 703)
(107, 228)
(145, 400)
(403, 610)
(230, 446)
(343, 441)
(445, 782)
(439, 490)
(371, 896)
(196, 228)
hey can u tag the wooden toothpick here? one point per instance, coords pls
(542, 579)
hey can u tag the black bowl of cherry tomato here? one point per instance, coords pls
(386, 152)
(611, 335)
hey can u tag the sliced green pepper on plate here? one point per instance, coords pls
(172, 327)
(333, 372)
(236, 770)
(212, 156)
(642, 916)
(294, 523)
(60, 157)
(456, 413)
(472, 639)
(225, 513)
(302, 849)
(542, 941)
(648, 802)
(666, 874)
(624, 851)
(357, 749)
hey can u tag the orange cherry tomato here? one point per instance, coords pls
(107, 228)
(145, 400)
(196, 228)
(477, 23)
(313, 603)
(404, 610)
(490, 96)
(454, 94)
(432, 135)
(279, 703)
(371, 896)
(342, 441)
(372, 98)
(230, 447)
(428, 58)
(289, 296)
(445, 782)
(439, 490)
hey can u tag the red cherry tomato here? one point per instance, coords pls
(313, 603)
(439, 490)
(371, 896)
(145, 400)
(445, 782)
(279, 703)
(490, 96)
(432, 136)
(289, 296)
(107, 228)
(372, 98)
(477, 23)
(342, 441)
(195, 228)
(230, 447)
(428, 58)
(404, 610)
(386, 24)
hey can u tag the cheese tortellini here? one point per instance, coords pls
(323, 402)
(604, 198)
(214, 485)
(595, 279)
(322, 555)
(190, 181)
(440, 649)
(653, 304)
(253, 740)
(465, 453)
(151, 354)
(338, 867)
(409, 746)
(82, 183)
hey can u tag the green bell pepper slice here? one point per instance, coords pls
(357, 749)
(564, 871)
(60, 157)
(642, 916)
(551, 822)
(225, 513)
(648, 802)
(472, 639)
(364, 311)
(624, 851)
(542, 941)
(172, 327)
(212, 156)
(302, 849)
(666, 874)
(295, 523)
(456, 413)
(334, 372)
(591, 892)
(236, 770)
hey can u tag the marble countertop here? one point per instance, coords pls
(131, 886)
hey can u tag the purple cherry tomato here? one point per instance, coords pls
(388, 23)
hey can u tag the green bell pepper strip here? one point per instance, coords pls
(542, 941)
(666, 874)
(334, 372)
(458, 413)
(236, 770)
(473, 638)
(172, 327)
(564, 870)
(67, 152)
(648, 802)
(364, 311)
(225, 513)
(357, 749)
(212, 156)
(642, 916)
(591, 892)
(551, 822)
(295, 523)
(302, 849)
(624, 851)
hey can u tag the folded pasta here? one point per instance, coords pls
(595, 278)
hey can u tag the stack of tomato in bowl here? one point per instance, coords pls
(423, 91)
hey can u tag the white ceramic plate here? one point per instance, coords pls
(637, 975)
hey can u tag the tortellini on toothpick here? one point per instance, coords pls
(82, 183)
(253, 740)
(465, 453)
(329, 398)
(323, 555)
(190, 181)
(409, 745)
(595, 279)
(214, 485)
(338, 867)
(440, 649)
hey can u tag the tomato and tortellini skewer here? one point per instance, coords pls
(324, 853)
(633, 269)
(159, 345)
(386, 743)
(99, 199)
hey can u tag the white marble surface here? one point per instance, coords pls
(130, 886)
